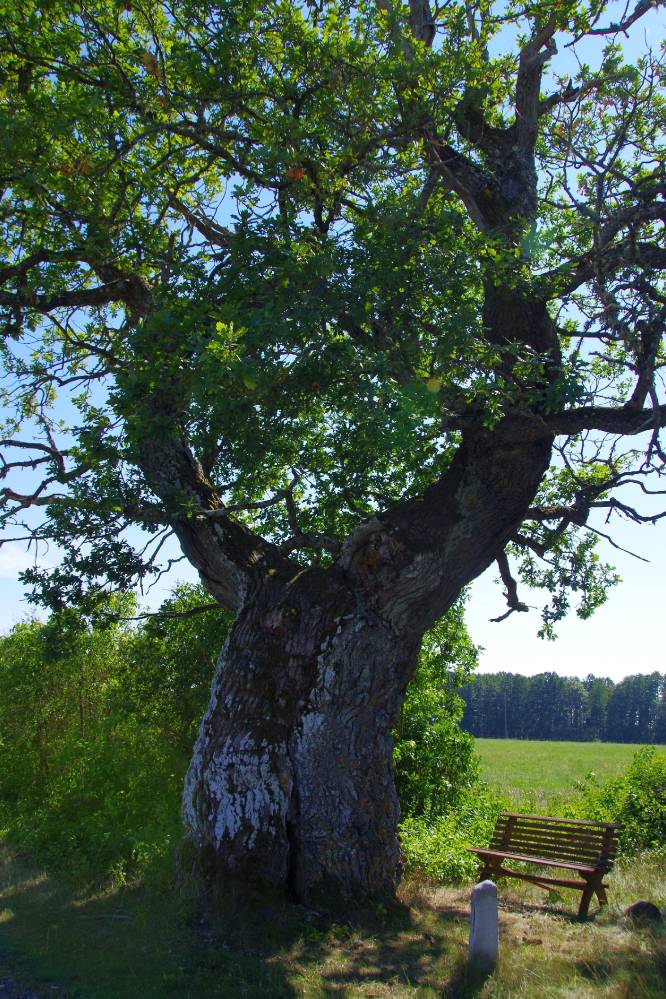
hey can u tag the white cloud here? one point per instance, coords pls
(14, 559)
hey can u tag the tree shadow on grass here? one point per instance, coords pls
(518, 906)
(132, 941)
(416, 945)
(155, 943)
(465, 983)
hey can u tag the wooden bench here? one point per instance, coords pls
(586, 847)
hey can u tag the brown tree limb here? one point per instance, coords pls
(133, 290)
(620, 27)
(191, 612)
(532, 59)
(569, 276)
(607, 419)
(510, 590)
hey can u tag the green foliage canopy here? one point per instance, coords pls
(269, 230)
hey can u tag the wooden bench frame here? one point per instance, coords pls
(573, 844)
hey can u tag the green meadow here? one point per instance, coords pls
(540, 775)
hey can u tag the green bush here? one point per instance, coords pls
(438, 849)
(434, 761)
(635, 799)
(97, 720)
(112, 808)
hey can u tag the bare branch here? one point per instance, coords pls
(215, 234)
(619, 27)
(510, 591)
(569, 95)
(571, 275)
(191, 612)
(607, 537)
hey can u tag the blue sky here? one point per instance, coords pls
(623, 637)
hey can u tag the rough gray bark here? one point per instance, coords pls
(291, 781)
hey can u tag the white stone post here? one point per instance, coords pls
(483, 928)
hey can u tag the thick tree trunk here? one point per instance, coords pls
(291, 781)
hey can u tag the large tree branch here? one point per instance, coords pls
(133, 290)
(571, 275)
(225, 553)
(606, 419)
(410, 561)
(216, 234)
(528, 84)
(42, 256)
(461, 175)
(570, 94)
(422, 22)
(510, 590)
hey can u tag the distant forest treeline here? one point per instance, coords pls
(548, 706)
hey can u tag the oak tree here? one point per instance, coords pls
(353, 299)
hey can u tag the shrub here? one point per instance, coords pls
(434, 761)
(111, 805)
(438, 849)
(636, 799)
(97, 722)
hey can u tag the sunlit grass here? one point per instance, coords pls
(539, 776)
(130, 941)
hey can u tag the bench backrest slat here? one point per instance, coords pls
(551, 820)
(592, 844)
(545, 836)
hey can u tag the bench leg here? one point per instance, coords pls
(601, 895)
(491, 872)
(588, 892)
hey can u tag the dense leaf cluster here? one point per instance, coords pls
(318, 245)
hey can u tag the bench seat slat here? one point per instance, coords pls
(536, 845)
(536, 850)
(545, 862)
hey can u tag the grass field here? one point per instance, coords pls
(132, 941)
(535, 776)
(129, 940)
